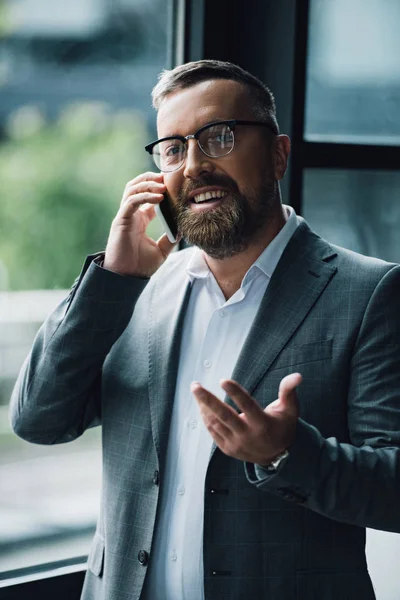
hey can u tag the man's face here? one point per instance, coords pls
(248, 175)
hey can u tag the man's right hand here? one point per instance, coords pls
(129, 250)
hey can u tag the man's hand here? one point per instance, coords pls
(255, 435)
(129, 250)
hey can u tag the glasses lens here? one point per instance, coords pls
(217, 140)
(169, 154)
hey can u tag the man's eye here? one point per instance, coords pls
(172, 151)
(222, 138)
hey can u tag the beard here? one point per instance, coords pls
(228, 229)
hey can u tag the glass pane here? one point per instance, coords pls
(359, 210)
(75, 114)
(353, 72)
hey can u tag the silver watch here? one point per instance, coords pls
(273, 466)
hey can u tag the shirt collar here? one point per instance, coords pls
(269, 258)
(197, 267)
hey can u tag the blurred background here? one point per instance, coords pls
(75, 114)
(352, 100)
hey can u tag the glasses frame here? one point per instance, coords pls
(231, 123)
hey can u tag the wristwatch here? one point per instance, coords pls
(273, 466)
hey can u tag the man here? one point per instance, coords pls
(216, 484)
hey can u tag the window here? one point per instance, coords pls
(346, 124)
(356, 209)
(353, 72)
(75, 114)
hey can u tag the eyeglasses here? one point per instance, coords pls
(215, 140)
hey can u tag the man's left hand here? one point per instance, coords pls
(255, 435)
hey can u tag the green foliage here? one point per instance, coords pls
(5, 24)
(61, 185)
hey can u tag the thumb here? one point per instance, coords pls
(287, 396)
(165, 246)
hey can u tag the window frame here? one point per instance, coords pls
(328, 155)
(62, 580)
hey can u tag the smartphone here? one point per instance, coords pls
(165, 212)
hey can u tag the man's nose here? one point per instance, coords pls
(196, 161)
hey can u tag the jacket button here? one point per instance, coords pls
(143, 557)
(289, 496)
(156, 478)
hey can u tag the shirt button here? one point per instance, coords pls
(222, 313)
(156, 478)
(207, 363)
(181, 490)
(173, 556)
(193, 423)
(143, 557)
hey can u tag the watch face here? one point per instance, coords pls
(278, 461)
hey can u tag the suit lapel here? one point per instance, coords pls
(298, 280)
(167, 310)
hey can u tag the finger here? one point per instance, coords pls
(225, 413)
(132, 203)
(287, 395)
(136, 191)
(217, 427)
(148, 176)
(142, 187)
(288, 385)
(218, 439)
(164, 245)
(148, 210)
(246, 403)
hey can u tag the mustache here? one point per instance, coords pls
(207, 180)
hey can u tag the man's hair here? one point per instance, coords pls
(189, 74)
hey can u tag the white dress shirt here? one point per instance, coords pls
(214, 332)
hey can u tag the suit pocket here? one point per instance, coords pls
(334, 585)
(303, 353)
(96, 555)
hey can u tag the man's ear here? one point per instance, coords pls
(281, 155)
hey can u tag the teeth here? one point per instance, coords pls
(209, 196)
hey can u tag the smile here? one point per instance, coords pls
(207, 196)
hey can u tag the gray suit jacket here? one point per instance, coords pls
(109, 354)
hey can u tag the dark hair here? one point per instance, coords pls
(191, 73)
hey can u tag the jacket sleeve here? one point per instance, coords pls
(356, 482)
(58, 392)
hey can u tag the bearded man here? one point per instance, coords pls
(224, 480)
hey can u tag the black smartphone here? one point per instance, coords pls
(167, 217)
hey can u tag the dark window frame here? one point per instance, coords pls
(327, 155)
